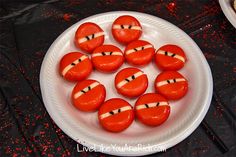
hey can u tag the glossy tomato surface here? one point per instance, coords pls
(107, 58)
(152, 109)
(139, 52)
(129, 84)
(170, 57)
(75, 66)
(87, 32)
(116, 115)
(125, 34)
(171, 84)
(88, 95)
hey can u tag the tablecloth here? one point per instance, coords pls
(28, 28)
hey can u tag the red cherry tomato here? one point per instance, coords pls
(89, 36)
(75, 66)
(152, 109)
(171, 84)
(131, 82)
(126, 29)
(139, 52)
(170, 57)
(88, 95)
(116, 115)
(107, 58)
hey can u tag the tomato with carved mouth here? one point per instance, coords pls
(171, 84)
(139, 52)
(116, 115)
(75, 66)
(152, 109)
(107, 58)
(89, 36)
(170, 57)
(88, 95)
(126, 29)
(131, 82)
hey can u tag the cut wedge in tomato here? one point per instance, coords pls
(89, 36)
(171, 84)
(152, 109)
(126, 29)
(107, 58)
(75, 66)
(139, 52)
(170, 57)
(131, 82)
(116, 115)
(88, 95)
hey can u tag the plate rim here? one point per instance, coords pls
(167, 144)
(227, 13)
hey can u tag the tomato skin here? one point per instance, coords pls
(117, 122)
(80, 71)
(173, 91)
(107, 64)
(86, 29)
(152, 116)
(134, 88)
(168, 63)
(91, 100)
(126, 36)
(141, 57)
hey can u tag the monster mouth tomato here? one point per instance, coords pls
(170, 57)
(75, 66)
(139, 52)
(116, 115)
(88, 95)
(126, 29)
(89, 36)
(152, 109)
(131, 82)
(107, 58)
(171, 85)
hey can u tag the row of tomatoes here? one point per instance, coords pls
(117, 114)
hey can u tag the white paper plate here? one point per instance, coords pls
(228, 10)
(186, 114)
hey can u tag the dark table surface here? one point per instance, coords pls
(28, 28)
